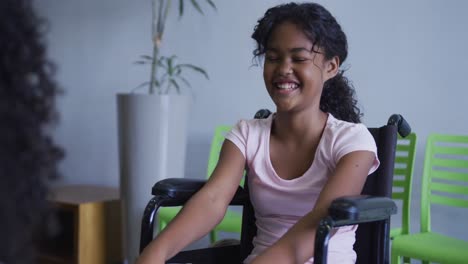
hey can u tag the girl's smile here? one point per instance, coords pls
(286, 86)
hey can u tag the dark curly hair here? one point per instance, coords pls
(324, 32)
(28, 155)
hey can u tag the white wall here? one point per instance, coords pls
(405, 57)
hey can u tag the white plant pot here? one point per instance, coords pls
(152, 133)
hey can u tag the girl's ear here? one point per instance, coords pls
(331, 67)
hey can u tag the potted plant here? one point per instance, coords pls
(152, 126)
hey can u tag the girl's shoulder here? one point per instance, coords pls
(337, 126)
(248, 130)
(339, 133)
(257, 124)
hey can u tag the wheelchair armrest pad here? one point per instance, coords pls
(179, 190)
(361, 209)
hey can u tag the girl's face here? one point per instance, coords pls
(294, 74)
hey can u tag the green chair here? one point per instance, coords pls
(444, 182)
(232, 220)
(402, 180)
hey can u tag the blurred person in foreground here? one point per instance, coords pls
(28, 155)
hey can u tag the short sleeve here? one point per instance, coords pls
(238, 136)
(355, 138)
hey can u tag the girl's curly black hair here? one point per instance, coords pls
(28, 155)
(324, 32)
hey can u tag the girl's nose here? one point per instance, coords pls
(285, 68)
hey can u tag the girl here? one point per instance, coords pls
(311, 151)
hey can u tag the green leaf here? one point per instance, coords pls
(176, 85)
(211, 4)
(185, 81)
(141, 62)
(146, 57)
(195, 68)
(140, 85)
(197, 6)
(162, 65)
(181, 8)
(170, 68)
(162, 62)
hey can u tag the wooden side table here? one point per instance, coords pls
(89, 226)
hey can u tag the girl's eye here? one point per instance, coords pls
(299, 59)
(271, 58)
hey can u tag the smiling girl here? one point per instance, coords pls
(309, 152)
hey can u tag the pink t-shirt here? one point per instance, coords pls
(280, 203)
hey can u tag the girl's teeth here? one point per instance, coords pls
(287, 86)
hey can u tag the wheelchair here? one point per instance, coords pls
(371, 210)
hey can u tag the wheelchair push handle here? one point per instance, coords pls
(262, 113)
(404, 129)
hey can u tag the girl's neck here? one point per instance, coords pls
(299, 126)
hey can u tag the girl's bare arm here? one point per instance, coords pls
(202, 212)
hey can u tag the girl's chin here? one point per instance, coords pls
(284, 106)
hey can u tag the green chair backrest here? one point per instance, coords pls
(445, 174)
(216, 144)
(402, 176)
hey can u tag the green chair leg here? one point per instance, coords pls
(395, 259)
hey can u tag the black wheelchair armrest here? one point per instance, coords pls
(177, 191)
(361, 209)
(350, 210)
